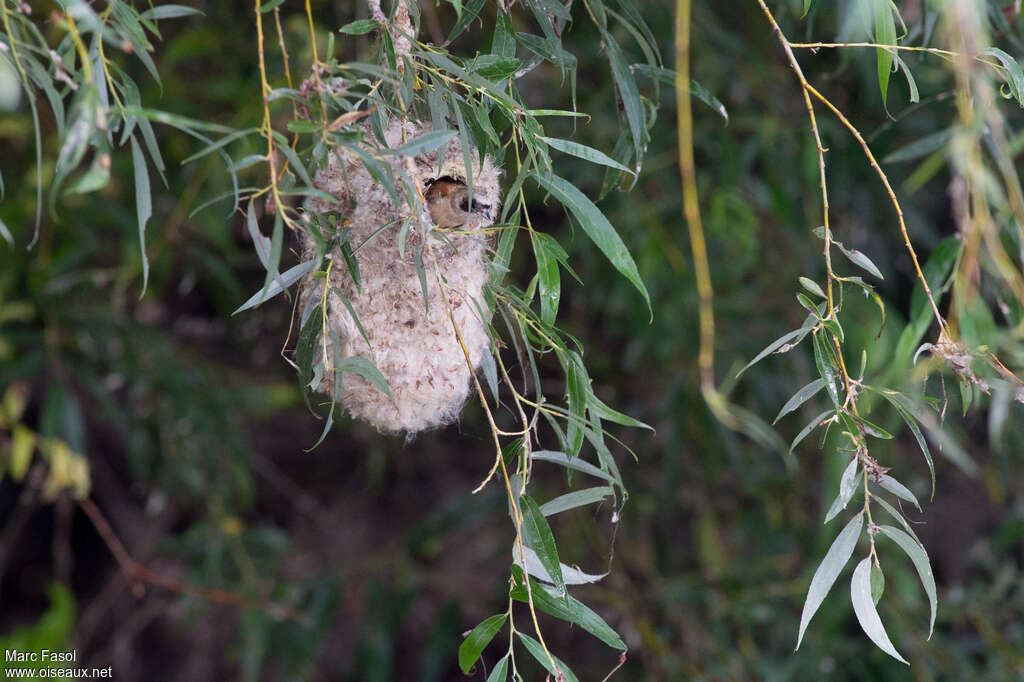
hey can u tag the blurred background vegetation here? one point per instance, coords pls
(196, 433)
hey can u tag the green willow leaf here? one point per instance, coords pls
(596, 227)
(286, 279)
(466, 15)
(812, 286)
(584, 152)
(359, 27)
(920, 147)
(898, 489)
(170, 12)
(143, 205)
(568, 609)
(800, 397)
(896, 515)
(877, 583)
(630, 95)
(885, 34)
(783, 344)
(305, 350)
(364, 368)
(804, 432)
(903, 407)
(864, 607)
(847, 487)
(548, 277)
(527, 558)
(919, 557)
(477, 640)
(538, 536)
(828, 570)
(577, 498)
(6, 234)
(1014, 76)
(427, 142)
(826, 367)
(576, 463)
(500, 672)
(560, 671)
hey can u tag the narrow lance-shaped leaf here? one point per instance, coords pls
(577, 498)
(864, 607)
(898, 489)
(800, 397)
(364, 368)
(286, 279)
(885, 34)
(847, 486)
(500, 672)
(584, 152)
(568, 609)
(538, 536)
(924, 568)
(571, 576)
(597, 228)
(630, 95)
(576, 463)
(898, 401)
(427, 142)
(143, 205)
(828, 570)
(6, 234)
(477, 640)
(562, 672)
(804, 432)
(826, 367)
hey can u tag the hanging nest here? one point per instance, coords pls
(415, 280)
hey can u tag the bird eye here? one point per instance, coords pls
(464, 204)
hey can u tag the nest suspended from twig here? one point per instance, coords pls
(416, 280)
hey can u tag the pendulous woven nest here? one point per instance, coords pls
(413, 344)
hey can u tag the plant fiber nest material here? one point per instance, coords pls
(411, 341)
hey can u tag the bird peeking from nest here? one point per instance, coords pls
(448, 201)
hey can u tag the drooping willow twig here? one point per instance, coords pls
(809, 89)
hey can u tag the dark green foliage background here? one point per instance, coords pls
(195, 429)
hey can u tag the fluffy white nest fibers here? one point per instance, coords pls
(413, 345)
